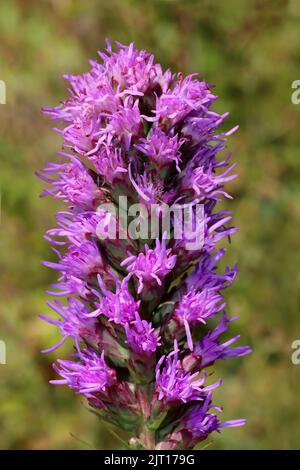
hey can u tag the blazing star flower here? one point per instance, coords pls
(197, 307)
(151, 192)
(131, 69)
(75, 322)
(197, 424)
(89, 376)
(75, 184)
(141, 336)
(109, 163)
(82, 261)
(204, 183)
(161, 149)
(209, 348)
(131, 129)
(185, 96)
(77, 229)
(152, 266)
(174, 384)
(200, 423)
(119, 307)
(205, 274)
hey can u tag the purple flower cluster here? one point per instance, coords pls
(141, 312)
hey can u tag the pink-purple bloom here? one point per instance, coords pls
(210, 348)
(151, 266)
(141, 313)
(119, 307)
(197, 307)
(175, 384)
(196, 425)
(74, 322)
(75, 184)
(89, 376)
(142, 338)
(163, 150)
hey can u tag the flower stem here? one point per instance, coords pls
(147, 438)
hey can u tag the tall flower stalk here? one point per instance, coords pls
(146, 315)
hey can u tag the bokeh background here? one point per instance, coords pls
(250, 49)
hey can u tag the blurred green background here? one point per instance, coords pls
(251, 51)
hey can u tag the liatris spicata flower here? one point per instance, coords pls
(145, 312)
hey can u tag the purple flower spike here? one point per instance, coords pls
(138, 140)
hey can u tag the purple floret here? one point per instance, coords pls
(174, 384)
(88, 376)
